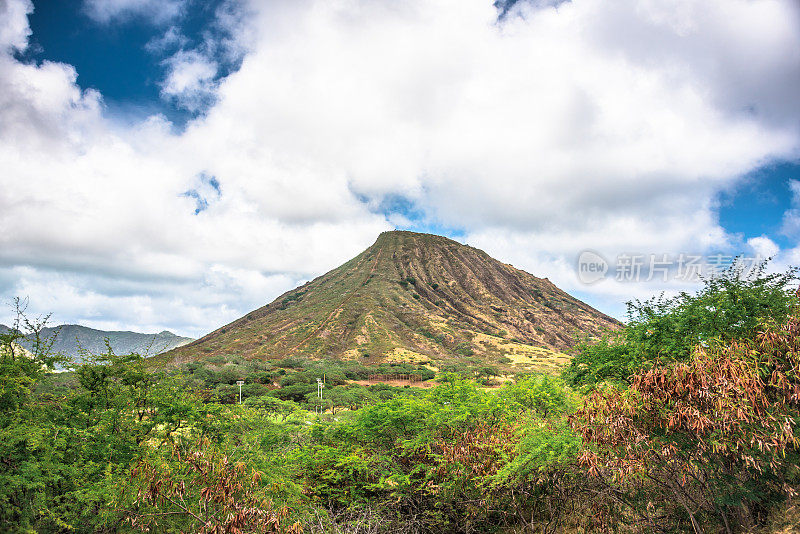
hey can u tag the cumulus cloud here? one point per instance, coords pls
(155, 11)
(763, 246)
(561, 127)
(14, 31)
(485, 123)
(149, 305)
(190, 79)
(193, 68)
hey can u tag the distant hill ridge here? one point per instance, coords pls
(70, 338)
(409, 297)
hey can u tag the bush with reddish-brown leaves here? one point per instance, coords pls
(203, 490)
(711, 440)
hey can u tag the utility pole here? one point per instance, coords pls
(239, 383)
(320, 385)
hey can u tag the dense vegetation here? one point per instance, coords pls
(685, 421)
(663, 330)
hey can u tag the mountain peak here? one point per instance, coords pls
(393, 236)
(410, 297)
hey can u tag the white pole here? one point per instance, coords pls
(240, 382)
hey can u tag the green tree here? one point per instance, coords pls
(731, 306)
(65, 452)
(542, 394)
(273, 406)
(31, 466)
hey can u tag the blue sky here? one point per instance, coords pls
(112, 59)
(122, 59)
(757, 203)
(190, 160)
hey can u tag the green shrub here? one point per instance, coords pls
(464, 348)
(539, 393)
(731, 306)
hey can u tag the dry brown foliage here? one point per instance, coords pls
(206, 490)
(692, 432)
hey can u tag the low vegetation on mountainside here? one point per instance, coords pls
(413, 297)
(685, 421)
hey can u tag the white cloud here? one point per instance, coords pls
(190, 79)
(110, 303)
(192, 73)
(172, 38)
(486, 125)
(763, 247)
(14, 31)
(156, 11)
(541, 136)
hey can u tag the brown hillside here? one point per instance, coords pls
(410, 297)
